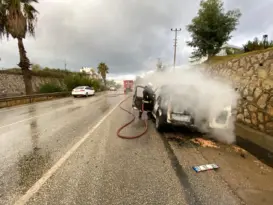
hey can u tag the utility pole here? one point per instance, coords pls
(159, 64)
(65, 64)
(175, 45)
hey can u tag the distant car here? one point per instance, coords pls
(83, 91)
(113, 89)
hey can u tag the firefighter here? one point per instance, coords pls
(148, 99)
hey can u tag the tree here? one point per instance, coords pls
(18, 18)
(103, 70)
(211, 28)
(36, 67)
(257, 44)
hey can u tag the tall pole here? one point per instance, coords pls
(65, 64)
(175, 45)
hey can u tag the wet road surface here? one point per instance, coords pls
(76, 141)
(33, 137)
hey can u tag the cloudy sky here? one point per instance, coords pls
(129, 35)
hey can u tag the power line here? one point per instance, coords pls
(175, 44)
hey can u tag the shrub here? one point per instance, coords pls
(50, 88)
(79, 79)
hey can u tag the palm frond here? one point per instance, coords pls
(17, 18)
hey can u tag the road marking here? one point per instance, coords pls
(25, 198)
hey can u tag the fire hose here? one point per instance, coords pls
(129, 122)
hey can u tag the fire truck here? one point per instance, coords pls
(128, 85)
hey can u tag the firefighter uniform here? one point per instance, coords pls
(148, 100)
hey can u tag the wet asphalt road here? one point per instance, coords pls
(103, 169)
(33, 137)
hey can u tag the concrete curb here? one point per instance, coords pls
(257, 143)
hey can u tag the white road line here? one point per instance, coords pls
(25, 198)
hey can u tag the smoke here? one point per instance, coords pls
(202, 95)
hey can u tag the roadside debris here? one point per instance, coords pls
(205, 167)
(240, 151)
(204, 143)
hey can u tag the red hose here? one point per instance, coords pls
(128, 123)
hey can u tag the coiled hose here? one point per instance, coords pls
(128, 123)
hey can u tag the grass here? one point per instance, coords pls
(220, 59)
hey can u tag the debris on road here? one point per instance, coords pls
(204, 143)
(238, 149)
(205, 167)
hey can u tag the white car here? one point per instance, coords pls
(112, 88)
(83, 91)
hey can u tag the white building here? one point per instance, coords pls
(90, 71)
(232, 49)
(223, 52)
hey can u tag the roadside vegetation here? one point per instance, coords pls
(257, 44)
(50, 88)
(211, 29)
(78, 79)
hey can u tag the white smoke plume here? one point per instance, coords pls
(205, 95)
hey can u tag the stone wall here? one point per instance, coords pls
(253, 76)
(13, 84)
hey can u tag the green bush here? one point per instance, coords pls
(50, 88)
(257, 44)
(79, 79)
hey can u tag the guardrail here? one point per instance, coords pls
(26, 99)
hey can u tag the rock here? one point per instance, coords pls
(251, 88)
(262, 101)
(267, 84)
(247, 121)
(245, 92)
(250, 72)
(266, 118)
(257, 92)
(252, 108)
(270, 110)
(269, 126)
(246, 113)
(240, 117)
(261, 117)
(253, 60)
(270, 73)
(262, 73)
(249, 98)
(261, 127)
(260, 56)
(254, 118)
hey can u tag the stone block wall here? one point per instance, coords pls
(14, 83)
(253, 76)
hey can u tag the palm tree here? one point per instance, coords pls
(103, 70)
(18, 18)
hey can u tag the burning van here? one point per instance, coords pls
(181, 105)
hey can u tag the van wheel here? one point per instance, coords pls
(159, 123)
